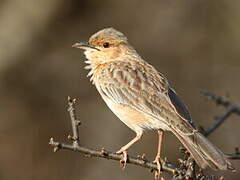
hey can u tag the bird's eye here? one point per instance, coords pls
(106, 45)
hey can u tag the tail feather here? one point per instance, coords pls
(204, 152)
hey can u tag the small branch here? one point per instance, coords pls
(231, 108)
(234, 156)
(219, 100)
(166, 166)
(113, 156)
(187, 168)
(219, 121)
(75, 123)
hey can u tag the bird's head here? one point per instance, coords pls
(106, 45)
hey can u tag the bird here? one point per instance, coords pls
(142, 98)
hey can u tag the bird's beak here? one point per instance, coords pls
(84, 45)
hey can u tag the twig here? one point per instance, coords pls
(219, 120)
(75, 123)
(113, 156)
(187, 167)
(220, 100)
(166, 166)
(231, 108)
(233, 156)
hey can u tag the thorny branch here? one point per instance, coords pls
(140, 161)
(230, 109)
(110, 155)
(187, 169)
(219, 120)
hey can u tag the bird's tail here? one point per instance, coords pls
(204, 152)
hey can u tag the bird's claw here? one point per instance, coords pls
(124, 159)
(159, 167)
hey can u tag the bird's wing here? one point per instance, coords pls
(179, 106)
(141, 87)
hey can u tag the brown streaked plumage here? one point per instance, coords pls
(142, 98)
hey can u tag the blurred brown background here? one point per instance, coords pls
(194, 43)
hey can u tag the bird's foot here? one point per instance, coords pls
(159, 167)
(124, 159)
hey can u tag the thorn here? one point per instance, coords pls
(180, 161)
(70, 137)
(78, 123)
(74, 101)
(75, 145)
(69, 98)
(56, 145)
(142, 157)
(104, 152)
(175, 172)
(87, 155)
(51, 142)
(55, 149)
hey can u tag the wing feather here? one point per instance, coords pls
(143, 89)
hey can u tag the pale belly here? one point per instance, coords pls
(134, 119)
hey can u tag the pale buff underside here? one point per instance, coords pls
(134, 119)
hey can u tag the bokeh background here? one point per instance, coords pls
(194, 43)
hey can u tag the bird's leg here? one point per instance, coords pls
(128, 145)
(124, 149)
(158, 156)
